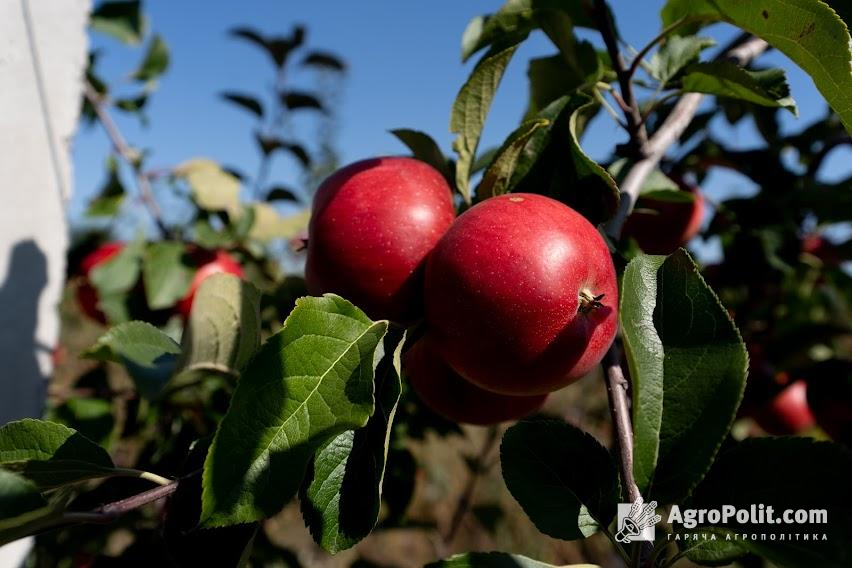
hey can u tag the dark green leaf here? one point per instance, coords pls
(785, 474)
(497, 177)
(50, 454)
(808, 32)
(470, 110)
(156, 61)
(424, 148)
(223, 329)
(517, 18)
(298, 99)
(111, 195)
(122, 20)
(91, 417)
(308, 383)
(688, 367)
(551, 78)
(324, 60)
(165, 274)
(280, 193)
(341, 494)
(726, 79)
(247, 102)
(495, 560)
(278, 48)
(149, 355)
(562, 477)
(675, 54)
(269, 145)
(20, 500)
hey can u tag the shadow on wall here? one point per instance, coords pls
(22, 385)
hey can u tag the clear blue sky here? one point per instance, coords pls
(404, 71)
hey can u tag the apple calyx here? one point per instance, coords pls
(588, 302)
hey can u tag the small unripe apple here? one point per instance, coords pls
(788, 412)
(660, 227)
(87, 294)
(209, 263)
(445, 392)
(521, 295)
(372, 225)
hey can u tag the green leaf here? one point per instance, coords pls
(656, 186)
(675, 54)
(688, 367)
(91, 417)
(517, 18)
(19, 499)
(470, 110)
(308, 383)
(246, 102)
(156, 61)
(726, 79)
(122, 20)
(278, 48)
(165, 274)
(111, 195)
(496, 560)
(50, 454)
(341, 495)
(785, 474)
(424, 148)
(223, 330)
(553, 77)
(148, 354)
(809, 32)
(121, 272)
(324, 60)
(497, 177)
(213, 189)
(563, 478)
(298, 99)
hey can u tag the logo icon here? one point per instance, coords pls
(636, 521)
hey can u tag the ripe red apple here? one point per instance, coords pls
(521, 295)
(209, 263)
(660, 227)
(373, 224)
(87, 294)
(444, 391)
(788, 412)
(820, 247)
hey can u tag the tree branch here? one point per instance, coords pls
(668, 133)
(638, 135)
(128, 154)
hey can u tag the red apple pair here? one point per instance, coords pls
(208, 263)
(520, 293)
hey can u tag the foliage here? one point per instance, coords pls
(263, 393)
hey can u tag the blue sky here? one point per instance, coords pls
(404, 71)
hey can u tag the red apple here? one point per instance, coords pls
(373, 224)
(521, 295)
(445, 392)
(660, 227)
(820, 247)
(87, 294)
(788, 412)
(209, 263)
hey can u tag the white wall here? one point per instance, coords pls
(42, 59)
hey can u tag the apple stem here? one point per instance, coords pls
(588, 302)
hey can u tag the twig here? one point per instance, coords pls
(638, 135)
(668, 133)
(616, 387)
(466, 499)
(128, 154)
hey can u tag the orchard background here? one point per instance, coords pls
(205, 132)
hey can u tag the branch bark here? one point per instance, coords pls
(128, 154)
